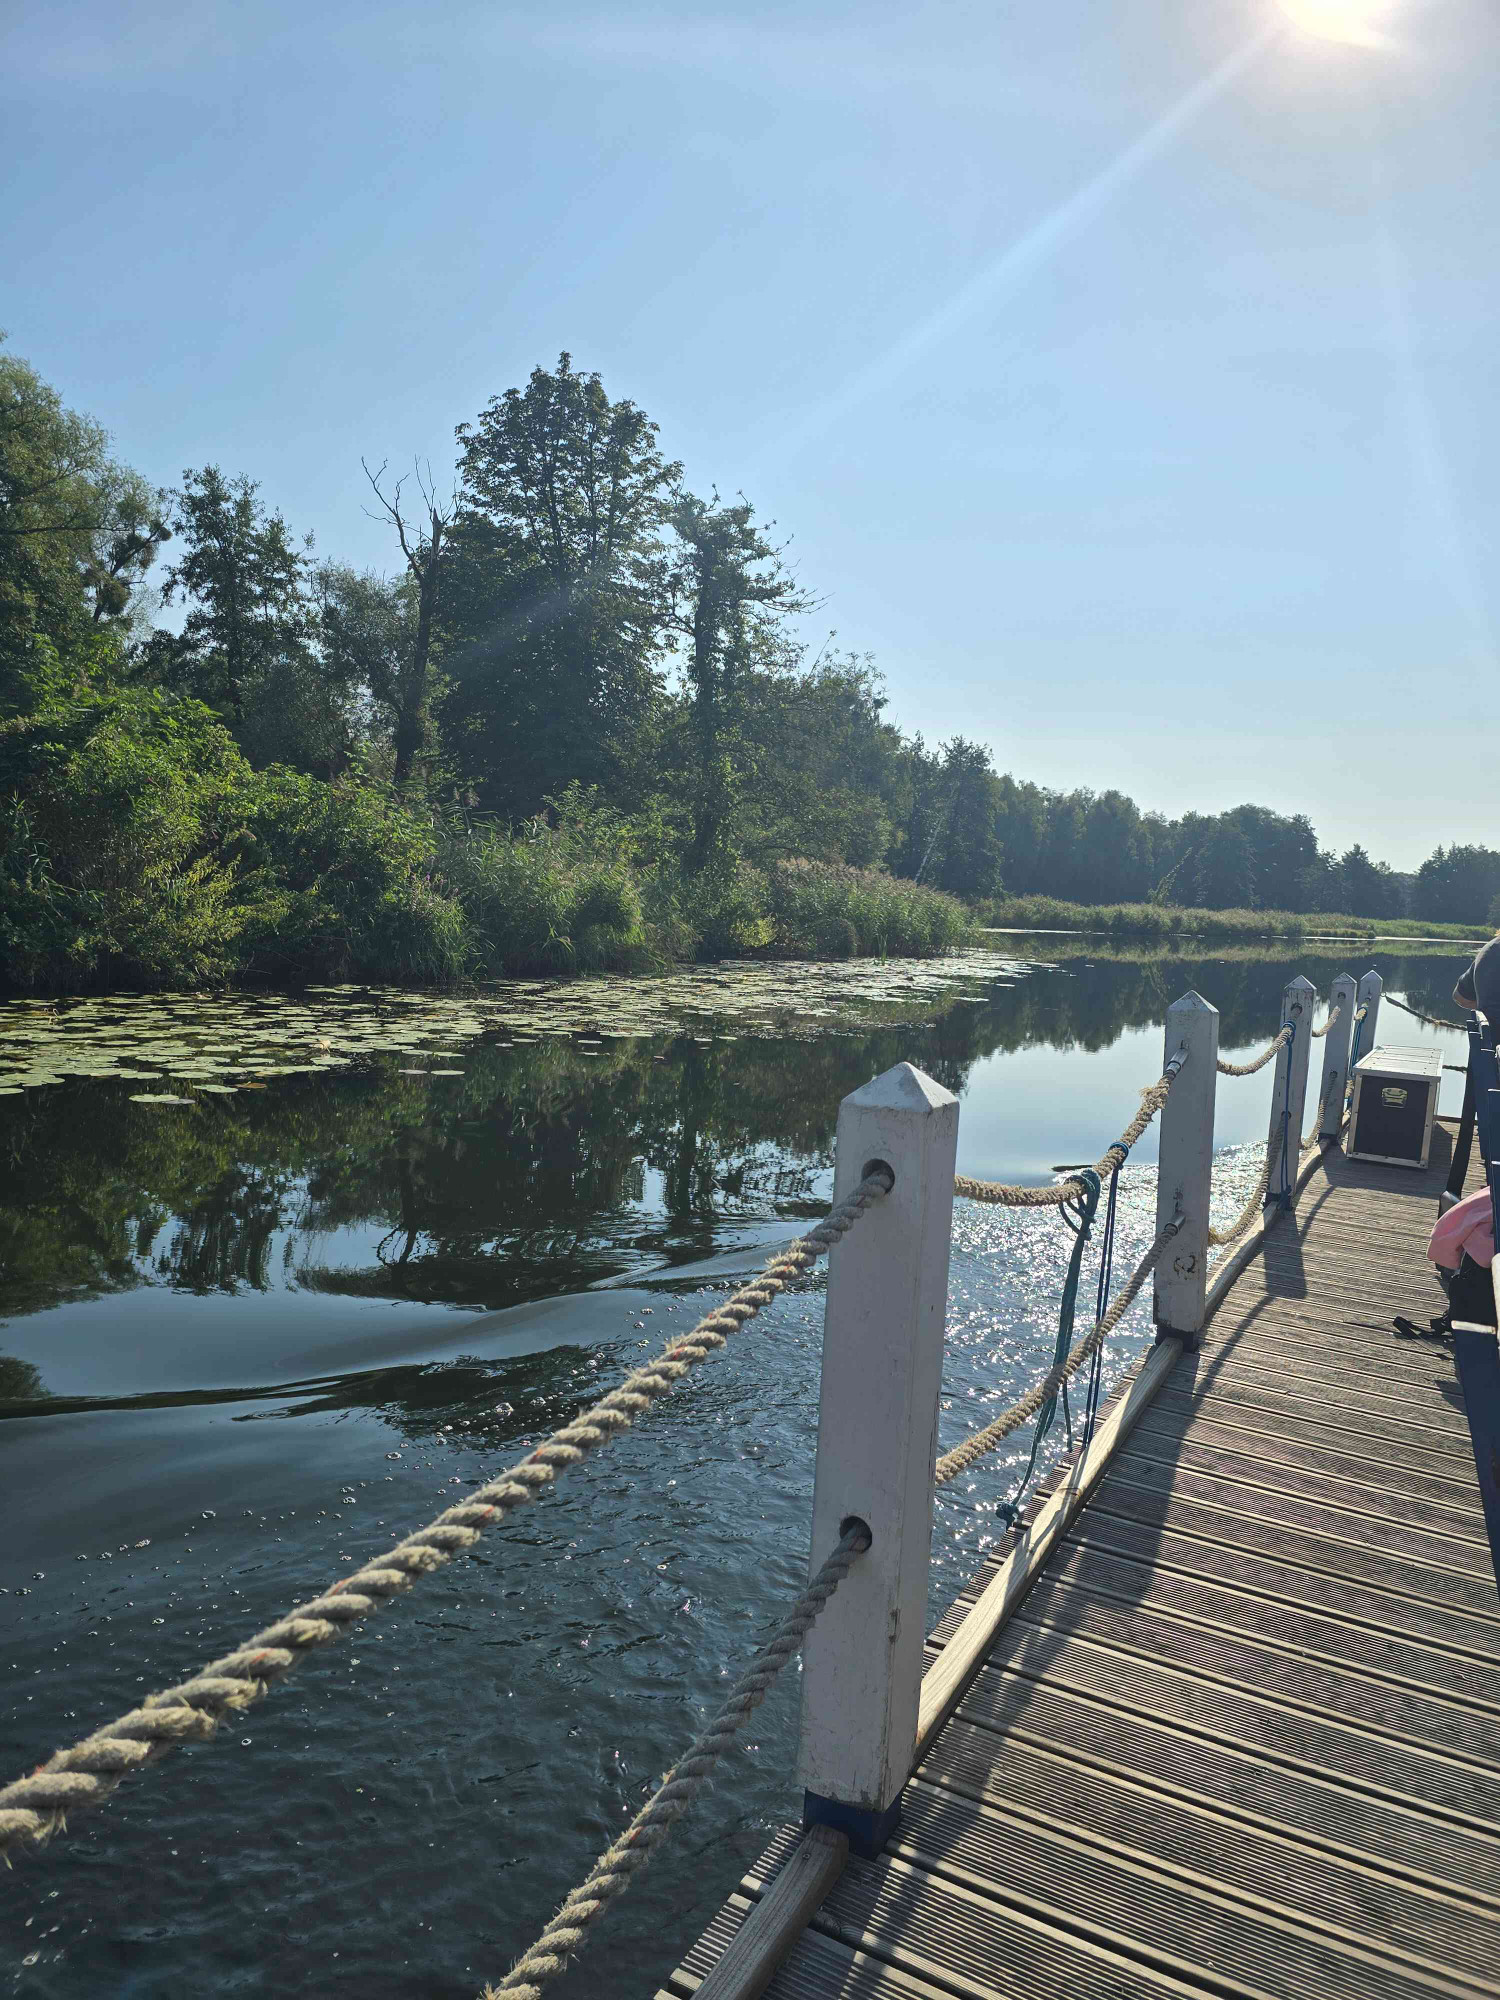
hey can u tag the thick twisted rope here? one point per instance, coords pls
(1001, 1194)
(84, 1775)
(617, 1867)
(1311, 1139)
(1257, 1201)
(1432, 1020)
(974, 1448)
(1249, 1068)
(1318, 1033)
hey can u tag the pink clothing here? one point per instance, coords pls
(1468, 1226)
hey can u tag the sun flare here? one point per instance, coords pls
(1358, 22)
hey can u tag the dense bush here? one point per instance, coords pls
(823, 910)
(533, 904)
(110, 848)
(340, 881)
(138, 847)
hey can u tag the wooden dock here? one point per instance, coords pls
(1242, 1735)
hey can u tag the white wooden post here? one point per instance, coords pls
(1370, 989)
(1186, 1167)
(1336, 1046)
(1289, 1093)
(877, 1446)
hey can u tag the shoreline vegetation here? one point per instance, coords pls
(1152, 921)
(578, 728)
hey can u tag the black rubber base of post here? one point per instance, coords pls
(1191, 1342)
(868, 1831)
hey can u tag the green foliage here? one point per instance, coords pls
(112, 856)
(77, 531)
(342, 883)
(246, 645)
(535, 903)
(554, 609)
(1455, 883)
(1156, 921)
(822, 910)
(577, 732)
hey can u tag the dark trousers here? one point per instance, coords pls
(1471, 1292)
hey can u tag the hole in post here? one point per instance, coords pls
(880, 1167)
(852, 1521)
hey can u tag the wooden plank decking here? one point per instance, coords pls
(1242, 1738)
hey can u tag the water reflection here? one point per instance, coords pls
(253, 1341)
(548, 1167)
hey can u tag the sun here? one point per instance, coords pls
(1358, 22)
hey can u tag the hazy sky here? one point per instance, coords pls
(1124, 370)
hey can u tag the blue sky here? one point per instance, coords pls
(1125, 374)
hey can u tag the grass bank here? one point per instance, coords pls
(1153, 921)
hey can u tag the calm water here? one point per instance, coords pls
(250, 1338)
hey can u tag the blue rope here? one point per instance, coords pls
(1288, 1174)
(1106, 1286)
(1078, 1213)
(1359, 1028)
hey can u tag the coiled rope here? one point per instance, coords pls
(1249, 1068)
(1002, 1194)
(974, 1448)
(84, 1775)
(617, 1867)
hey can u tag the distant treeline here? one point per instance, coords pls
(574, 725)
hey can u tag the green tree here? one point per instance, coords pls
(245, 647)
(960, 815)
(731, 590)
(399, 680)
(77, 532)
(1224, 872)
(1370, 888)
(554, 611)
(831, 780)
(1454, 884)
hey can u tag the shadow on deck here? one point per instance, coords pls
(1242, 1737)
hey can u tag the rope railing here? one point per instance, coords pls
(1432, 1020)
(1217, 1238)
(1318, 1033)
(1311, 1138)
(1265, 1056)
(85, 1774)
(1003, 1194)
(615, 1870)
(984, 1441)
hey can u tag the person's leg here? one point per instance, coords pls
(1472, 1294)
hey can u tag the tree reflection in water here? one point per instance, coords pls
(542, 1168)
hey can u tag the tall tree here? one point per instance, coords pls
(245, 647)
(78, 532)
(400, 685)
(969, 861)
(1370, 887)
(1224, 871)
(731, 590)
(554, 613)
(1456, 884)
